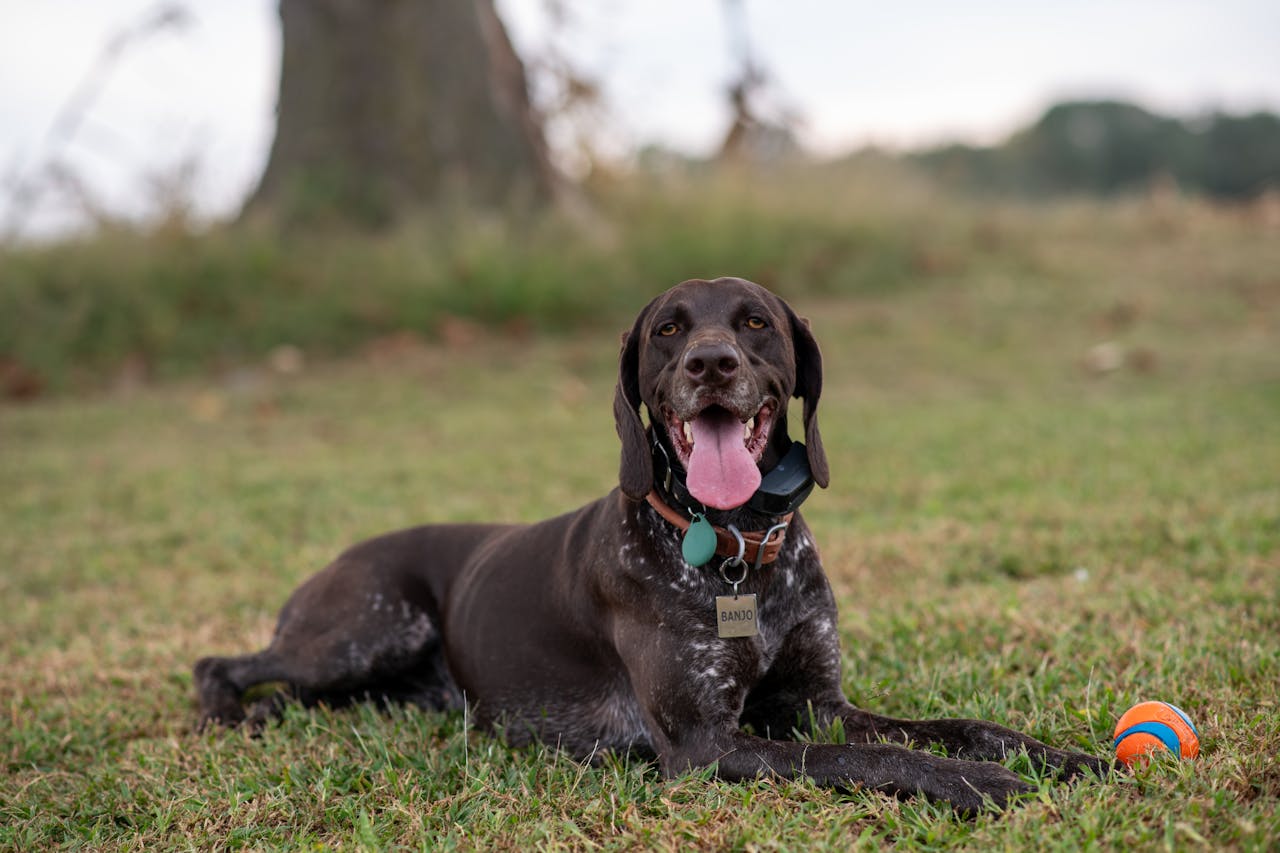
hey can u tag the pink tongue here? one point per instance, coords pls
(722, 473)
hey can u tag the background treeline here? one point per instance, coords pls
(169, 300)
(1112, 147)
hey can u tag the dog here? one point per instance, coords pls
(684, 616)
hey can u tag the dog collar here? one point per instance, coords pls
(758, 547)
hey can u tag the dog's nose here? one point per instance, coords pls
(711, 363)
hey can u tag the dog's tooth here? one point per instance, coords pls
(688, 433)
(746, 432)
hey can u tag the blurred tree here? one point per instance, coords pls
(757, 134)
(392, 105)
(1240, 155)
(1097, 147)
(1108, 147)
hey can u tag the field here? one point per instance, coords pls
(1055, 449)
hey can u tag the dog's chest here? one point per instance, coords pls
(699, 672)
(684, 597)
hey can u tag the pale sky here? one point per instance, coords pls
(900, 74)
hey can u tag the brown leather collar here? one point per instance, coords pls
(726, 544)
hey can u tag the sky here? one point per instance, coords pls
(191, 107)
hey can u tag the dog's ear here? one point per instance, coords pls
(635, 474)
(809, 387)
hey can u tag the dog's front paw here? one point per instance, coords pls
(1073, 765)
(975, 786)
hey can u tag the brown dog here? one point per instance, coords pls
(614, 626)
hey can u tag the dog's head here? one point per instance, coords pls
(715, 363)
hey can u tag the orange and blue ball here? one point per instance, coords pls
(1154, 726)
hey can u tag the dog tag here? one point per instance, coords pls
(736, 615)
(699, 543)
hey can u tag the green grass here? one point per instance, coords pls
(169, 304)
(1008, 536)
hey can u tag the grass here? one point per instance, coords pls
(169, 304)
(1008, 534)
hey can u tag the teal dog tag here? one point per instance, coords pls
(699, 544)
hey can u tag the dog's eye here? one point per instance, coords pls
(755, 323)
(668, 329)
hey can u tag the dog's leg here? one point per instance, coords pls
(803, 690)
(968, 786)
(694, 722)
(969, 739)
(356, 630)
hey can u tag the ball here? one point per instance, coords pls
(1152, 726)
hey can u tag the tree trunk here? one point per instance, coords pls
(390, 105)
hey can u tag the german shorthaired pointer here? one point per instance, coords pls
(684, 616)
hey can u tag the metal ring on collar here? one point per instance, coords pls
(735, 560)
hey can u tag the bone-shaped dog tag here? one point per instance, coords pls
(736, 615)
